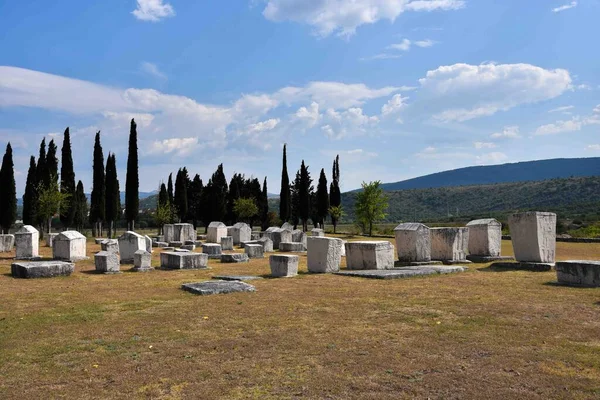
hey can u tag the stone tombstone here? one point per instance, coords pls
(41, 269)
(317, 232)
(291, 247)
(183, 260)
(216, 230)
(129, 243)
(142, 261)
(50, 239)
(449, 244)
(27, 243)
(287, 226)
(578, 273)
(369, 255)
(111, 245)
(485, 237)
(413, 242)
(227, 243)
(185, 232)
(279, 236)
(533, 236)
(234, 258)
(266, 243)
(189, 247)
(168, 233)
(241, 232)
(298, 236)
(107, 262)
(254, 250)
(213, 250)
(7, 243)
(324, 254)
(69, 246)
(283, 265)
(148, 243)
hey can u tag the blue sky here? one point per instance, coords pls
(397, 88)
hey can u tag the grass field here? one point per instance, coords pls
(482, 334)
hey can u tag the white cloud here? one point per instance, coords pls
(394, 106)
(380, 56)
(597, 109)
(262, 126)
(153, 10)
(491, 158)
(404, 45)
(593, 147)
(424, 43)
(152, 70)
(309, 116)
(562, 109)
(481, 90)
(509, 132)
(177, 146)
(564, 7)
(350, 122)
(484, 145)
(573, 125)
(343, 17)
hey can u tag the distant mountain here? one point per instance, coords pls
(143, 195)
(516, 172)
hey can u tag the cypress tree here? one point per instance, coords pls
(236, 186)
(98, 197)
(132, 183)
(219, 194)
(8, 199)
(195, 200)
(305, 191)
(264, 210)
(163, 196)
(181, 196)
(40, 174)
(30, 195)
(294, 200)
(67, 180)
(322, 200)
(112, 207)
(171, 196)
(51, 175)
(81, 207)
(335, 197)
(285, 205)
(206, 197)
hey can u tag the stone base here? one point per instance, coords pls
(161, 245)
(217, 287)
(234, 258)
(487, 259)
(295, 247)
(41, 269)
(190, 247)
(399, 264)
(525, 266)
(175, 244)
(237, 277)
(400, 273)
(580, 273)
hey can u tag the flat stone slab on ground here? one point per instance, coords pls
(400, 264)
(487, 259)
(237, 277)
(292, 247)
(525, 266)
(41, 269)
(234, 258)
(173, 260)
(582, 273)
(400, 273)
(217, 287)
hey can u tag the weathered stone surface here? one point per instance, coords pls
(237, 277)
(255, 236)
(449, 244)
(7, 243)
(216, 230)
(403, 264)
(241, 232)
(254, 250)
(283, 265)
(98, 240)
(159, 238)
(69, 246)
(578, 273)
(287, 226)
(184, 232)
(279, 236)
(299, 236)
(190, 247)
(487, 259)
(169, 248)
(234, 258)
(142, 261)
(400, 273)
(266, 243)
(162, 245)
(180, 250)
(183, 260)
(217, 287)
(317, 232)
(41, 269)
(413, 242)
(227, 243)
(148, 244)
(369, 255)
(175, 243)
(168, 233)
(201, 237)
(213, 250)
(291, 246)
(107, 262)
(324, 254)
(485, 237)
(533, 236)
(129, 243)
(50, 239)
(190, 242)
(27, 243)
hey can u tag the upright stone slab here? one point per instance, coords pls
(227, 243)
(485, 240)
(7, 243)
(287, 226)
(283, 266)
(41, 269)
(317, 232)
(142, 261)
(279, 236)
(266, 243)
(533, 236)
(111, 245)
(324, 254)
(216, 230)
(241, 232)
(129, 243)
(578, 273)
(148, 244)
(168, 233)
(107, 262)
(50, 239)
(413, 242)
(369, 255)
(183, 260)
(69, 246)
(298, 236)
(449, 245)
(254, 250)
(27, 243)
(185, 232)
(213, 250)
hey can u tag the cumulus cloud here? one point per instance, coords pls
(482, 90)
(153, 10)
(573, 125)
(509, 132)
(177, 146)
(309, 116)
(564, 7)
(350, 122)
(343, 17)
(491, 158)
(262, 126)
(394, 106)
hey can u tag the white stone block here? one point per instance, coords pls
(50, 239)
(227, 243)
(185, 232)
(213, 250)
(254, 250)
(216, 230)
(142, 261)
(107, 262)
(7, 243)
(241, 232)
(283, 265)
(291, 247)
(27, 243)
(298, 236)
(369, 255)
(449, 244)
(168, 233)
(287, 226)
(129, 243)
(533, 236)
(69, 246)
(324, 254)
(183, 260)
(413, 242)
(111, 245)
(485, 237)
(279, 236)
(318, 232)
(148, 244)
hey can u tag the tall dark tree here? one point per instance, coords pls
(81, 207)
(170, 191)
(181, 195)
(67, 180)
(335, 197)
(322, 199)
(163, 196)
(98, 196)
(206, 199)
(253, 191)
(51, 175)
(195, 200)
(305, 191)
(112, 205)
(295, 201)
(30, 197)
(219, 194)
(8, 199)
(41, 183)
(132, 182)
(264, 206)
(236, 187)
(285, 205)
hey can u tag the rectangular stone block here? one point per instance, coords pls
(50, 239)
(216, 230)
(227, 243)
(254, 250)
(7, 243)
(234, 258)
(168, 233)
(369, 255)
(69, 246)
(280, 235)
(241, 232)
(111, 245)
(129, 243)
(107, 262)
(291, 247)
(175, 243)
(41, 269)
(283, 265)
(213, 250)
(485, 237)
(317, 232)
(184, 232)
(190, 247)
(449, 244)
(533, 236)
(578, 273)
(27, 243)
(413, 242)
(324, 254)
(142, 261)
(183, 260)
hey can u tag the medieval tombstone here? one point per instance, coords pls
(283, 265)
(27, 243)
(485, 240)
(168, 233)
(213, 250)
(241, 232)
(369, 255)
(533, 236)
(291, 247)
(234, 258)
(183, 260)
(50, 239)
(216, 230)
(142, 261)
(217, 287)
(41, 269)
(129, 243)
(318, 232)
(227, 243)
(111, 245)
(254, 250)
(324, 254)
(280, 235)
(69, 246)
(581, 273)
(107, 262)
(184, 232)
(7, 243)
(449, 245)
(413, 243)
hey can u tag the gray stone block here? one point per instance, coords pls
(216, 230)
(98, 240)
(241, 232)
(175, 243)
(449, 244)
(283, 265)
(291, 247)
(369, 255)
(190, 247)
(213, 250)
(41, 269)
(485, 238)
(234, 258)
(254, 250)
(107, 262)
(129, 243)
(7, 243)
(111, 245)
(69, 246)
(201, 237)
(217, 287)
(317, 232)
(142, 261)
(237, 277)
(187, 260)
(148, 244)
(578, 273)
(324, 254)
(280, 235)
(184, 232)
(27, 243)
(227, 243)
(50, 239)
(533, 236)
(413, 242)
(162, 245)
(299, 236)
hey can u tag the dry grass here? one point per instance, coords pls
(481, 334)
